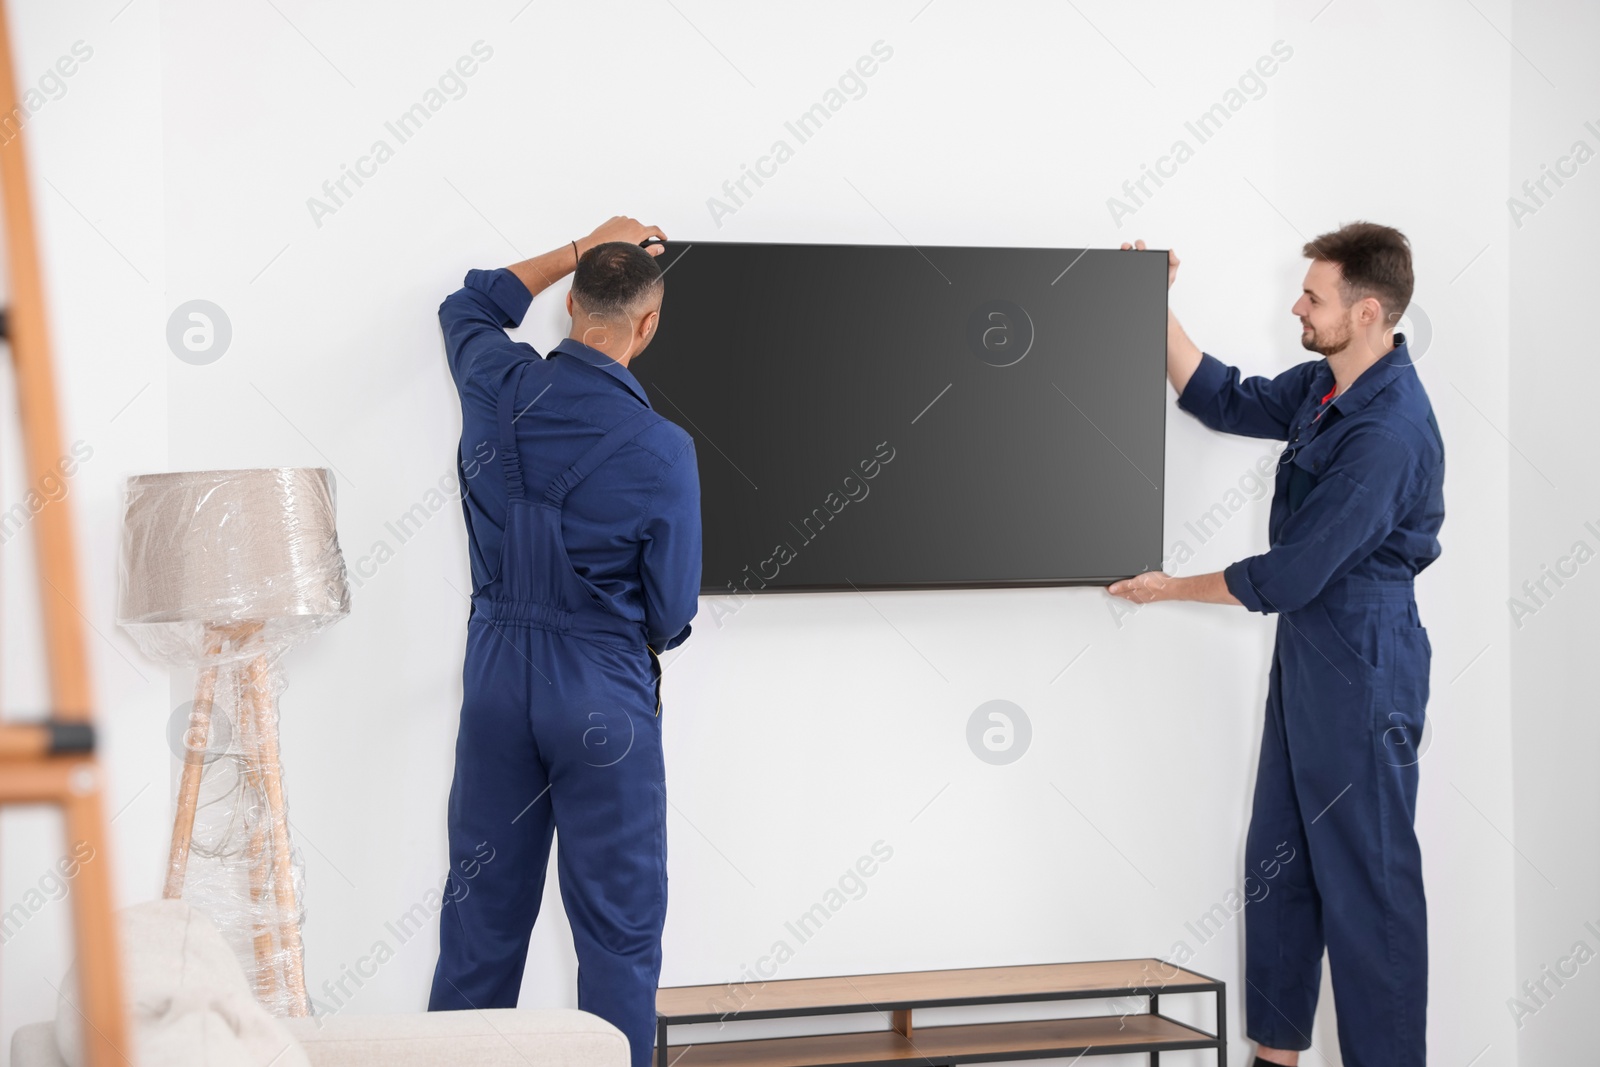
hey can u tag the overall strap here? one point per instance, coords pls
(510, 458)
(614, 438)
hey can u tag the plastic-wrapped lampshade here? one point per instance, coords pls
(209, 549)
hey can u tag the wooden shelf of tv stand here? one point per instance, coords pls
(901, 993)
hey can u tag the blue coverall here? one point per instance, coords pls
(1356, 511)
(583, 522)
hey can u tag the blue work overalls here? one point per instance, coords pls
(1357, 506)
(560, 726)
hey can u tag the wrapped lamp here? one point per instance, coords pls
(224, 571)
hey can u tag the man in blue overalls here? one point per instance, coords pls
(583, 525)
(1356, 511)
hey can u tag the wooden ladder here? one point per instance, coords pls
(53, 762)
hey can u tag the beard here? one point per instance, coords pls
(1326, 344)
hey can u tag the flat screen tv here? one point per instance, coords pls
(898, 417)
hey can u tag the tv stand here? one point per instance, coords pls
(906, 1045)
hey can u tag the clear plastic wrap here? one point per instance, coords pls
(224, 571)
(202, 550)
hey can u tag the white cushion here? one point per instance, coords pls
(34, 1045)
(493, 1037)
(189, 1003)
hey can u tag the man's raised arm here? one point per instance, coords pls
(1183, 356)
(476, 316)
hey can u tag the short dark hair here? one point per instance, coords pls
(613, 278)
(1374, 261)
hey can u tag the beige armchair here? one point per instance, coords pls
(191, 1004)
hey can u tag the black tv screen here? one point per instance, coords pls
(898, 417)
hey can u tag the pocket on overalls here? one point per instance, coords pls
(1409, 655)
(1352, 632)
(655, 671)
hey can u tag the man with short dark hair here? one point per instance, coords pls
(583, 526)
(1355, 516)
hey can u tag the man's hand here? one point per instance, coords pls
(543, 271)
(1143, 588)
(1151, 586)
(622, 228)
(1172, 260)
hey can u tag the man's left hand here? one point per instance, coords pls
(1142, 588)
(622, 228)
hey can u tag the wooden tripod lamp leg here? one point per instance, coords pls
(267, 981)
(258, 687)
(194, 765)
(266, 973)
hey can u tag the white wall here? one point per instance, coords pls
(1554, 504)
(806, 727)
